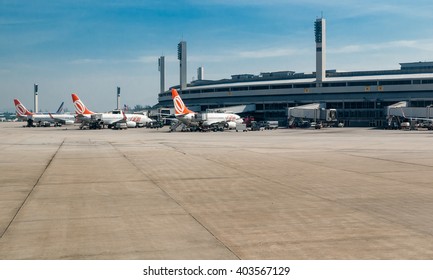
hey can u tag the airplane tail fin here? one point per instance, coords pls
(20, 109)
(80, 108)
(59, 111)
(179, 107)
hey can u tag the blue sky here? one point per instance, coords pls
(91, 47)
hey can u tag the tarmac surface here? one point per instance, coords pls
(336, 193)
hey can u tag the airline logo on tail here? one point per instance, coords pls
(80, 108)
(179, 106)
(20, 109)
(59, 111)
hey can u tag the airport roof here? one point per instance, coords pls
(231, 83)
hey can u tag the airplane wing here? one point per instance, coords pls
(60, 120)
(123, 122)
(124, 119)
(82, 118)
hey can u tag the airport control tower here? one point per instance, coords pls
(161, 68)
(181, 55)
(320, 36)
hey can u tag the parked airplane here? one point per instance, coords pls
(56, 119)
(109, 119)
(204, 120)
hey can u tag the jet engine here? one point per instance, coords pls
(231, 125)
(131, 124)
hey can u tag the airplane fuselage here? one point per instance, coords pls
(110, 118)
(213, 118)
(65, 118)
(206, 120)
(104, 118)
(136, 118)
(139, 118)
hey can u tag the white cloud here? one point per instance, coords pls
(239, 2)
(152, 59)
(267, 53)
(87, 61)
(149, 59)
(425, 45)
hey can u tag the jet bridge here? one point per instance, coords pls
(307, 115)
(400, 114)
(401, 109)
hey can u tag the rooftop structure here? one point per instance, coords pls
(360, 96)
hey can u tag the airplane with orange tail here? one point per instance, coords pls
(56, 119)
(182, 113)
(109, 119)
(204, 120)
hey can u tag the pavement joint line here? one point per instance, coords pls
(174, 148)
(71, 219)
(5, 146)
(424, 232)
(155, 182)
(202, 178)
(96, 182)
(390, 160)
(31, 191)
(372, 174)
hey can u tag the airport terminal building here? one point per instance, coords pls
(360, 97)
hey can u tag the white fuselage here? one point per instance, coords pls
(110, 118)
(104, 118)
(208, 119)
(213, 118)
(65, 118)
(139, 118)
(189, 119)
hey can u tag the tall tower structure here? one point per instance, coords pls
(200, 73)
(36, 109)
(161, 68)
(118, 98)
(320, 36)
(181, 55)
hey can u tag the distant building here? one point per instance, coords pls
(360, 97)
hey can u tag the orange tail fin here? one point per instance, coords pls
(80, 108)
(20, 109)
(179, 106)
